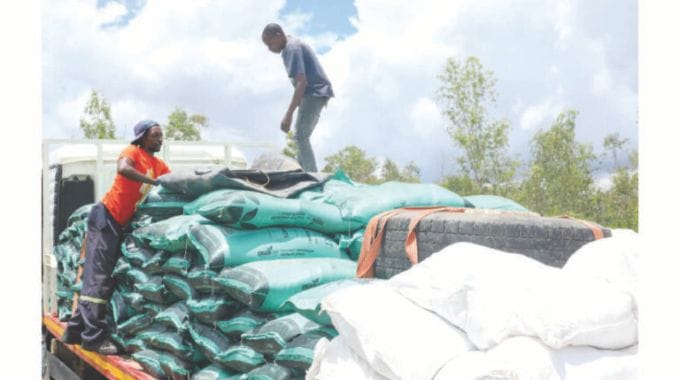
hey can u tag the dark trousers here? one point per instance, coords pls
(102, 250)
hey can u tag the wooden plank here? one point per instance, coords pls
(113, 367)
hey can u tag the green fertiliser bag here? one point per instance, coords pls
(213, 308)
(154, 264)
(175, 343)
(250, 210)
(208, 339)
(201, 280)
(362, 202)
(271, 371)
(179, 286)
(350, 244)
(174, 367)
(147, 333)
(120, 309)
(494, 202)
(178, 263)
(150, 361)
(205, 199)
(240, 358)
(228, 247)
(308, 302)
(299, 352)
(216, 372)
(135, 300)
(120, 270)
(176, 317)
(271, 337)
(137, 254)
(242, 322)
(163, 203)
(266, 285)
(152, 308)
(80, 214)
(169, 234)
(154, 291)
(133, 325)
(135, 344)
(136, 276)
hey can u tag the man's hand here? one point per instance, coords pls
(286, 122)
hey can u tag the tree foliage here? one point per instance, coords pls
(560, 180)
(96, 121)
(184, 127)
(466, 90)
(391, 172)
(291, 148)
(354, 162)
(362, 168)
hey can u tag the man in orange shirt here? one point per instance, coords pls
(137, 171)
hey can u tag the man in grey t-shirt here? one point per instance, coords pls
(312, 89)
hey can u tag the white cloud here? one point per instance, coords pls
(539, 115)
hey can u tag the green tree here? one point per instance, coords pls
(96, 121)
(391, 172)
(560, 180)
(466, 90)
(291, 148)
(613, 143)
(354, 162)
(185, 127)
(617, 207)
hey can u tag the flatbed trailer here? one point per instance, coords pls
(67, 361)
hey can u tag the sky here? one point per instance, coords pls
(383, 57)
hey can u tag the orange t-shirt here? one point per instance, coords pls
(125, 194)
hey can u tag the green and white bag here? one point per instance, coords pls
(266, 285)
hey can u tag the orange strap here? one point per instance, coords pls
(598, 233)
(411, 244)
(375, 230)
(370, 247)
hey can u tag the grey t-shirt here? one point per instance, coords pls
(299, 58)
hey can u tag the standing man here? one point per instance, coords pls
(137, 171)
(312, 89)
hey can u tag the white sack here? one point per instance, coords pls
(614, 259)
(394, 336)
(493, 295)
(528, 359)
(515, 358)
(334, 360)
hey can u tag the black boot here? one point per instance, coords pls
(107, 347)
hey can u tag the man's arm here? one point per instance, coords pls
(300, 85)
(126, 169)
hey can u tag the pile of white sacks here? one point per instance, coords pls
(471, 312)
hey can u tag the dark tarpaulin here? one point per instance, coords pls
(282, 184)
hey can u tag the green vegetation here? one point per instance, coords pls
(96, 121)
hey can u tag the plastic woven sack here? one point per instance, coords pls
(266, 285)
(360, 203)
(242, 322)
(494, 202)
(208, 340)
(174, 343)
(271, 371)
(179, 286)
(308, 302)
(154, 291)
(271, 337)
(212, 308)
(175, 317)
(136, 253)
(240, 358)
(202, 280)
(250, 210)
(174, 367)
(163, 203)
(150, 360)
(169, 234)
(134, 324)
(217, 372)
(228, 247)
(299, 352)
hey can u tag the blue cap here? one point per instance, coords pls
(142, 127)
